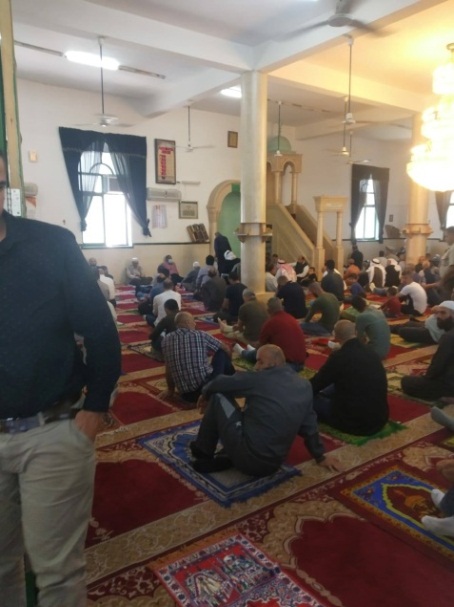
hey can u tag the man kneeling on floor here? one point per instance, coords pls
(257, 438)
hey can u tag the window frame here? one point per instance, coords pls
(370, 196)
(106, 177)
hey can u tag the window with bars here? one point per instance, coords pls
(367, 225)
(109, 217)
(450, 213)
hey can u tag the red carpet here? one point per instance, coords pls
(352, 539)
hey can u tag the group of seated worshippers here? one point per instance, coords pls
(256, 438)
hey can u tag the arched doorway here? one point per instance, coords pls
(224, 212)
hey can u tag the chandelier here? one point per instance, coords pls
(432, 163)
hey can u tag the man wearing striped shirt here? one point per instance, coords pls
(186, 354)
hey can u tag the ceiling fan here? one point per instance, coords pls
(346, 151)
(104, 120)
(189, 147)
(340, 18)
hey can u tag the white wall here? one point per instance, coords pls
(42, 109)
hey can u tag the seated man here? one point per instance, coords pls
(146, 301)
(376, 274)
(327, 305)
(159, 301)
(372, 327)
(270, 278)
(350, 390)
(351, 268)
(282, 330)
(186, 353)
(251, 316)
(415, 331)
(353, 287)
(392, 306)
(105, 278)
(414, 295)
(203, 274)
(285, 269)
(443, 501)
(301, 268)
(233, 300)
(332, 281)
(135, 274)
(257, 438)
(292, 295)
(212, 292)
(163, 328)
(190, 280)
(169, 264)
(438, 381)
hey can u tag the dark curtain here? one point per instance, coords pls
(74, 143)
(442, 200)
(380, 179)
(360, 177)
(129, 155)
(129, 158)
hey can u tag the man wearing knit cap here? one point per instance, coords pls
(439, 378)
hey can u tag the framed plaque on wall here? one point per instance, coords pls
(188, 210)
(165, 161)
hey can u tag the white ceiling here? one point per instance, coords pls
(202, 46)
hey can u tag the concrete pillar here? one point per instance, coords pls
(319, 258)
(417, 229)
(294, 200)
(8, 85)
(339, 246)
(277, 187)
(253, 179)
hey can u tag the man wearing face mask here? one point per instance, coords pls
(439, 378)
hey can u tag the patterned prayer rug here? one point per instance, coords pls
(449, 442)
(172, 447)
(242, 363)
(397, 340)
(142, 348)
(396, 498)
(390, 428)
(231, 573)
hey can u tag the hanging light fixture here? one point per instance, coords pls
(432, 163)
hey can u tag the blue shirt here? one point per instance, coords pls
(48, 293)
(186, 355)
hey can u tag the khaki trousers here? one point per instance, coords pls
(46, 492)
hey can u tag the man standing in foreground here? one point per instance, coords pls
(47, 460)
(257, 438)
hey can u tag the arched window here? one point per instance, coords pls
(109, 216)
(367, 225)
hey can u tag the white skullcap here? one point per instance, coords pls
(447, 304)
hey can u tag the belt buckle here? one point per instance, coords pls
(10, 425)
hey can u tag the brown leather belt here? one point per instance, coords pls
(62, 410)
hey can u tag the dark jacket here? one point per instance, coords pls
(360, 404)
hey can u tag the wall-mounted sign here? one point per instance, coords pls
(165, 161)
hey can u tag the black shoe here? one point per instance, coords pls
(217, 464)
(198, 453)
